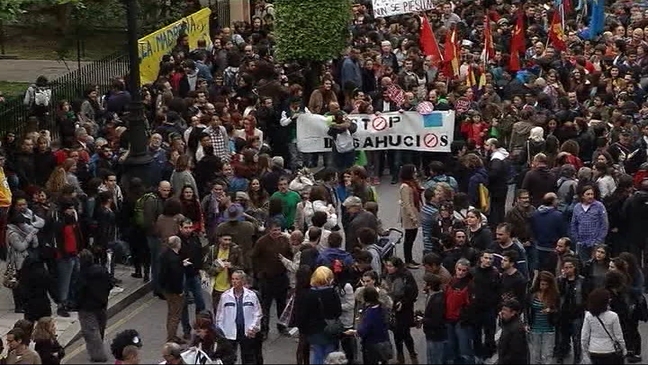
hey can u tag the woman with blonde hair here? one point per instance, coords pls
(47, 346)
(318, 314)
(56, 181)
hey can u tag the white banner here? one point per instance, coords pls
(384, 8)
(388, 131)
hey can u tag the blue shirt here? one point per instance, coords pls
(240, 318)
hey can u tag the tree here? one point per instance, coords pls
(311, 30)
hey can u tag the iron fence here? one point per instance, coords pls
(70, 87)
(223, 10)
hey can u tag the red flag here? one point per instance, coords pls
(451, 55)
(556, 33)
(489, 47)
(517, 42)
(567, 6)
(429, 44)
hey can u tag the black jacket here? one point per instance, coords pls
(50, 352)
(314, 307)
(34, 282)
(192, 249)
(433, 319)
(498, 173)
(486, 286)
(538, 182)
(106, 227)
(93, 288)
(481, 239)
(512, 347)
(172, 272)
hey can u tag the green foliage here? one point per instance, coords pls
(311, 30)
(11, 9)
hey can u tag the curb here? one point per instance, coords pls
(73, 334)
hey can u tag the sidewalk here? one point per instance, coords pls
(29, 70)
(69, 329)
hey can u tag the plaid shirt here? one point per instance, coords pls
(220, 142)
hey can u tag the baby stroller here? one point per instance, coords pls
(387, 243)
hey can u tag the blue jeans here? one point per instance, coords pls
(68, 273)
(319, 352)
(155, 247)
(460, 347)
(434, 350)
(192, 284)
(584, 252)
(344, 160)
(398, 159)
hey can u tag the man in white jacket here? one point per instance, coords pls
(239, 317)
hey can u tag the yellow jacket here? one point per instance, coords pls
(5, 192)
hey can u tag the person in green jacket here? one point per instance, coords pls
(289, 199)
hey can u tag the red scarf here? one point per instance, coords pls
(416, 192)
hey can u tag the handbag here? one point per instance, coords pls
(206, 281)
(640, 312)
(10, 279)
(618, 349)
(287, 314)
(333, 327)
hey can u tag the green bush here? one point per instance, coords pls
(311, 30)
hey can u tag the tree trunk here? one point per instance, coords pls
(312, 80)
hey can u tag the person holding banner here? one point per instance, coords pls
(341, 130)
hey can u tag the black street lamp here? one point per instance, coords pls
(139, 160)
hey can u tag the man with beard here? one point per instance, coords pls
(486, 281)
(268, 116)
(512, 347)
(93, 291)
(191, 250)
(272, 276)
(548, 226)
(358, 217)
(519, 219)
(498, 173)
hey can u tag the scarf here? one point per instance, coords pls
(416, 192)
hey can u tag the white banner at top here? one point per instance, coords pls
(384, 8)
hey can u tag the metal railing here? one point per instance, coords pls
(223, 10)
(70, 87)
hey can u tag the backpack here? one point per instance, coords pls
(484, 198)
(138, 215)
(229, 76)
(42, 96)
(344, 142)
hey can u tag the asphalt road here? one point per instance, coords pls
(148, 315)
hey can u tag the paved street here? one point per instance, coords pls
(29, 70)
(148, 315)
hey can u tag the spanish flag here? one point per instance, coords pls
(451, 54)
(556, 32)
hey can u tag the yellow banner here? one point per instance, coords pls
(155, 45)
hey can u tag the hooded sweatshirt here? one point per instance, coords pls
(498, 173)
(547, 226)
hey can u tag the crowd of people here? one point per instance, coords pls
(231, 206)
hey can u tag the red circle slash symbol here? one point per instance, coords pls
(430, 140)
(379, 124)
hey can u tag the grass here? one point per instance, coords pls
(13, 89)
(30, 45)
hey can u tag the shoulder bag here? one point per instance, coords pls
(618, 349)
(334, 327)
